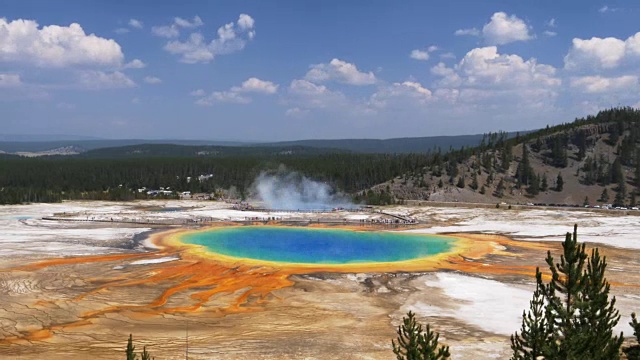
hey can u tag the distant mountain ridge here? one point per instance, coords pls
(44, 137)
(172, 150)
(87, 145)
(389, 146)
(393, 145)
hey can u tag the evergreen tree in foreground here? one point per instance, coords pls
(633, 352)
(636, 326)
(414, 344)
(578, 317)
(131, 351)
(145, 354)
(597, 314)
(534, 333)
(562, 296)
(131, 355)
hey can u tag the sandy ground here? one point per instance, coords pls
(76, 289)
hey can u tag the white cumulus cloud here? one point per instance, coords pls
(99, 80)
(419, 55)
(134, 23)
(470, 32)
(399, 93)
(485, 77)
(602, 53)
(173, 30)
(188, 24)
(486, 67)
(503, 29)
(23, 41)
(237, 94)
(600, 84)
(606, 9)
(310, 95)
(223, 96)
(135, 64)
(152, 80)
(256, 85)
(246, 23)
(232, 37)
(340, 71)
(169, 31)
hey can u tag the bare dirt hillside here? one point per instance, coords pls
(589, 157)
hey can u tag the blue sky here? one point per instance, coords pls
(282, 70)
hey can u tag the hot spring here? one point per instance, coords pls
(299, 245)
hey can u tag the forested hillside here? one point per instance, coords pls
(50, 179)
(592, 161)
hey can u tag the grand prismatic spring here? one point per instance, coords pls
(318, 246)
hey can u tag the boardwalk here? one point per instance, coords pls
(149, 221)
(198, 221)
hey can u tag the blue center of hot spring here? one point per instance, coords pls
(318, 246)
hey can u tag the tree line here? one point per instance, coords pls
(56, 178)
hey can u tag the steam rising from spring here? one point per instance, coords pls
(292, 191)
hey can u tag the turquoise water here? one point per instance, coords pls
(168, 209)
(318, 246)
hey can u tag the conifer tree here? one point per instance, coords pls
(633, 352)
(524, 172)
(490, 178)
(621, 194)
(559, 182)
(597, 315)
(414, 344)
(617, 175)
(563, 296)
(506, 157)
(604, 196)
(636, 326)
(500, 188)
(460, 183)
(636, 179)
(145, 354)
(534, 185)
(131, 355)
(578, 317)
(535, 331)
(544, 183)
(474, 182)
